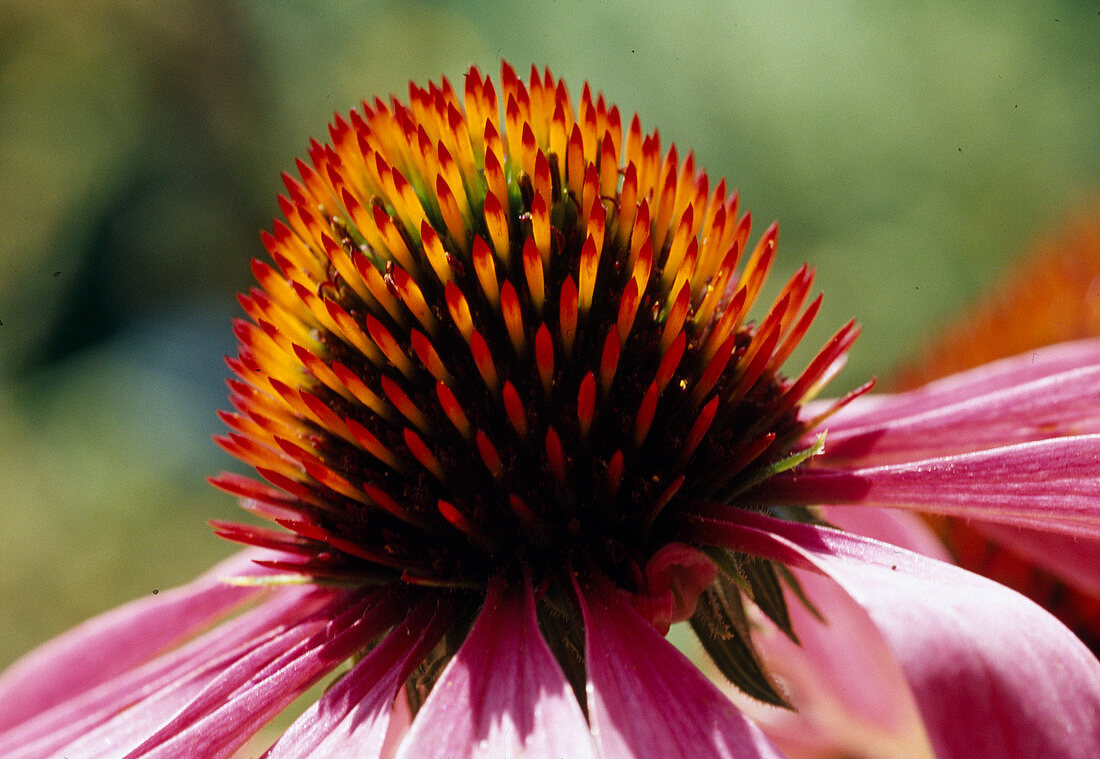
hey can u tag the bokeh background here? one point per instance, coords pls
(910, 151)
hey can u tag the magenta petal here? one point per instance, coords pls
(1050, 485)
(900, 528)
(110, 710)
(645, 699)
(353, 717)
(993, 674)
(987, 379)
(119, 640)
(503, 694)
(258, 686)
(1051, 406)
(838, 714)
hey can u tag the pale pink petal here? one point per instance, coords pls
(1067, 403)
(645, 699)
(1049, 485)
(902, 528)
(256, 688)
(352, 718)
(119, 640)
(992, 673)
(503, 694)
(869, 716)
(1075, 559)
(168, 676)
(990, 378)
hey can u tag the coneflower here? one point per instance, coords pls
(518, 410)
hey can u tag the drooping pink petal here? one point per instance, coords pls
(119, 640)
(871, 715)
(992, 673)
(646, 699)
(990, 378)
(257, 687)
(1048, 484)
(1076, 559)
(170, 676)
(352, 718)
(901, 528)
(1046, 407)
(503, 694)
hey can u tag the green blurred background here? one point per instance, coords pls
(909, 150)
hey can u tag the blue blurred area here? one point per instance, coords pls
(908, 151)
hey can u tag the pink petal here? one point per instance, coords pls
(872, 715)
(992, 673)
(119, 640)
(503, 694)
(1050, 484)
(1050, 406)
(353, 717)
(990, 378)
(900, 528)
(172, 675)
(645, 699)
(257, 687)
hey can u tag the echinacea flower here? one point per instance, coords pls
(515, 421)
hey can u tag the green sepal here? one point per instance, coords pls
(723, 630)
(767, 593)
(796, 588)
(776, 467)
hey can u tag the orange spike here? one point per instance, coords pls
(452, 219)
(420, 451)
(699, 430)
(459, 310)
(555, 456)
(388, 345)
(627, 206)
(614, 476)
(495, 182)
(532, 270)
(452, 409)
(373, 446)
(677, 315)
(326, 417)
(677, 251)
(544, 357)
(609, 167)
(404, 404)
(435, 253)
(575, 165)
(628, 308)
(412, 297)
(540, 228)
(640, 237)
(609, 359)
(484, 361)
(589, 264)
(513, 406)
(486, 271)
(567, 314)
(497, 222)
(489, 455)
(644, 418)
(586, 403)
(513, 316)
(359, 389)
(540, 180)
(670, 361)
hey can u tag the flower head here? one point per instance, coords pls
(518, 411)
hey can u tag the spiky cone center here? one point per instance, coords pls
(498, 336)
